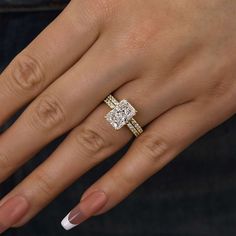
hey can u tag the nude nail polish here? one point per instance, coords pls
(85, 209)
(12, 211)
(2, 228)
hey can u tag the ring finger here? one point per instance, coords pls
(88, 144)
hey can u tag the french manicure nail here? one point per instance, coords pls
(12, 211)
(85, 209)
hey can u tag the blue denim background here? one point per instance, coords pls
(193, 196)
(13, 3)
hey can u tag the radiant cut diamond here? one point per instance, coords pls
(121, 114)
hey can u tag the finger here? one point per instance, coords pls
(69, 36)
(87, 145)
(62, 106)
(14, 208)
(162, 140)
(84, 147)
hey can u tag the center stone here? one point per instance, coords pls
(121, 114)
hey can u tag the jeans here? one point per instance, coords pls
(194, 195)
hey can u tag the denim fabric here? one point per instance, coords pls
(12, 3)
(193, 196)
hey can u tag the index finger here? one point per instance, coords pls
(69, 36)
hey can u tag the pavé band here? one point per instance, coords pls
(122, 113)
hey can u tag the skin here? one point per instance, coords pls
(173, 60)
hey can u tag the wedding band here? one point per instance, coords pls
(122, 114)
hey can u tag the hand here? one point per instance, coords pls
(174, 61)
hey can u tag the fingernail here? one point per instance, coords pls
(12, 211)
(85, 209)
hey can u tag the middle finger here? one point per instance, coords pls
(63, 105)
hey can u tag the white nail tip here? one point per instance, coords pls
(66, 223)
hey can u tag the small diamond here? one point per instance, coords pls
(121, 114)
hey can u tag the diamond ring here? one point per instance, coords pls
(122, 114)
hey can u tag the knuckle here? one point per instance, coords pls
(90, 140)
(106, 6)
(6, 166)
(25, 74)
(48, 112)
(220, 88)
(44, 183)
(138, 39)
(4, 161)
(222, 79)
(153, 147)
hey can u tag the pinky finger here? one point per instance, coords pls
(161, 142)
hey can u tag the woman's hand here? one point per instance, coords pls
(173, 60)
